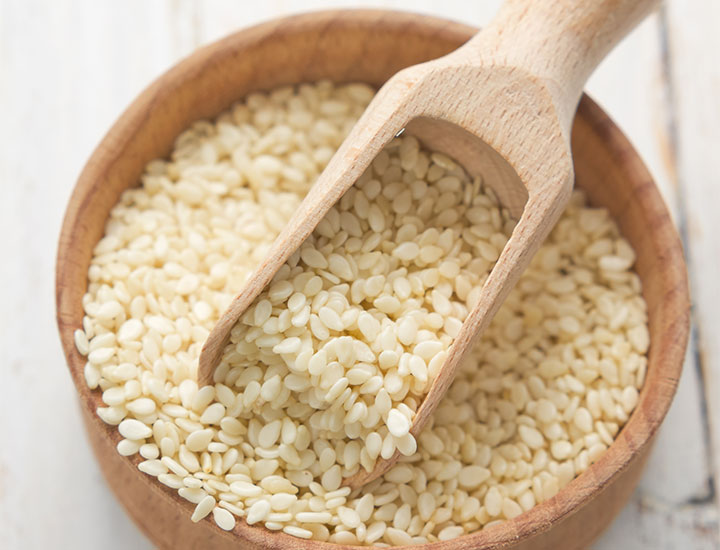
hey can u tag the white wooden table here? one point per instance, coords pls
(67, 69)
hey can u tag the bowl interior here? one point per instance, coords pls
(370, 46)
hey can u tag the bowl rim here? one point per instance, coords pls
(635, 436)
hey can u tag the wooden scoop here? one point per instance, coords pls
(502, 105)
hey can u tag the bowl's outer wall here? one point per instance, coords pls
(370, 46)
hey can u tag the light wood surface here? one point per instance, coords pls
(57, 111)
(503, 102)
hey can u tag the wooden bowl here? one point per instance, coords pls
(369, 46)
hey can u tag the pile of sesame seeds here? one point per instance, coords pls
(333, 383)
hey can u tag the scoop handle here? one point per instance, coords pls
(558, 41)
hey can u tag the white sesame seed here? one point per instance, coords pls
(313, 517)
(297, 531)
(101, 355)
(198, 441)
(203, 508)
(245, 489)
(127, 447)
(134, 429)
(398, 423)
(223, 519)
(531, 437)
(174, 466)
(152, 467)
(81, 342)
(330, 318)
(258, 512)
(510, 508)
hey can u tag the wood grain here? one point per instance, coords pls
(606, 166)
(65, 71)
(696, 139)
(670, 509)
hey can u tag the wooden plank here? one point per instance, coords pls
(653, 525)
(693, 46)
(67, 69)
(669, 509)
(631, 86)
(672, 510)
(216, 18)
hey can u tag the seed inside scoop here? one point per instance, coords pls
(353, 329)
